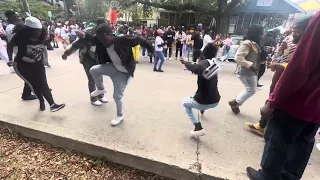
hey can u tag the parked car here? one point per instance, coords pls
(236, 41)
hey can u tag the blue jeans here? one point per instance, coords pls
(144, 51)
(189, 50)
(250, 84)
(225, 53)
(288, 144)
(159, 55)
(189, 103)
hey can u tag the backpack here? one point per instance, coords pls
(212, 70)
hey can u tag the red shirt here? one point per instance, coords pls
(298, 90)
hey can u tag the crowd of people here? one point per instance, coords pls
(289, 119)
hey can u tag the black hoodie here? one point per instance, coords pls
(207, 92)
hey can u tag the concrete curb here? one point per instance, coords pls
(122, 158)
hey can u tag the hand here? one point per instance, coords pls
(267, 110)
(64, 56)
(275, 66)
(10, 64)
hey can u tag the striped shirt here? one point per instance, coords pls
(287, 54)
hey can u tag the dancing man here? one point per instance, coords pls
(248, 60)
(207, 95)
(115, 59)
(88, 60)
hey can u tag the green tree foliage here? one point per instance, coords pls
(96, 8)
(38, 8)
(203, 8)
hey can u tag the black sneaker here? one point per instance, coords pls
(252, 173)
(234, 106)
(259, 85)
(155, 70)
(29, 98)
(57, 107)
(160, 70)
(42, 106)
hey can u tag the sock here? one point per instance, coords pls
(197, 126)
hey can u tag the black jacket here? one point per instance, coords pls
(207, 92)
(123, 46)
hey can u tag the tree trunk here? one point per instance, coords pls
(26, 6)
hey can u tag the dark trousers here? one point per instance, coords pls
(26, 90)
(262, 70)
(196, 54)
(178, 49)
(144, 51)
(34, 75)
(165, 51)
(87, 64)
(289, 143)
(276, 76)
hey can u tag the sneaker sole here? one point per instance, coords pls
(235, 110)
(55, 110)
(117, 123)
(96, 104)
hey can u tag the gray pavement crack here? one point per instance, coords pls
(197, 166)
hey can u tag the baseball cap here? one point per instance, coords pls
(33, 22)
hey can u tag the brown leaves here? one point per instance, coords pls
(24, 158)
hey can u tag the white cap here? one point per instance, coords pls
(33, 22)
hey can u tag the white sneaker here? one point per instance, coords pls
(202, 132)
(318, 146)
(103, 100)
(96, 103)
(98, 92)
(117, 120)
(170, 59)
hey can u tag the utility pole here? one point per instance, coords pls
(78, 4)
(26, 6)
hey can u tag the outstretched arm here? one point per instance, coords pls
(77, 44)
(134, 41)
(195, 68)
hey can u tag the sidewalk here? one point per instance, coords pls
(155, 135)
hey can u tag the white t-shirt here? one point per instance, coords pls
(9, 31)
(63, 32)
(206, 40)
(157, 42)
